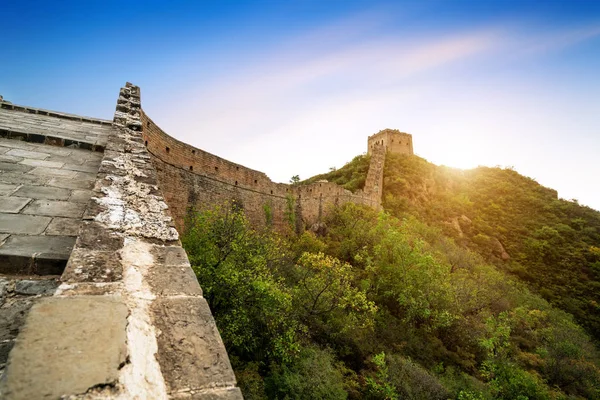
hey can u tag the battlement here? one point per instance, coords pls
(393, 141)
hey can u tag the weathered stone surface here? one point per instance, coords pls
(63, 227)
(228, 393)
(67, 345)
(173, 281)
(43, 192)
(191, 353)
(12, 316)
(42, 163)
(12, 205)
(26, 153)
(94, 236)
(92, 169)
(3, 237)
(13, 167)
(23, 224)
(80, 196)
(170, 255)
(93, 266)
(35, 287)
(52, 172)
(70, 183)
(6, 189)
(42, 255)
(55, 208)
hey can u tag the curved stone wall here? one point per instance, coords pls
(192, 178)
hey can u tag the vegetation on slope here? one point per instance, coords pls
(553, 244)
(351, 176)
(380, 308)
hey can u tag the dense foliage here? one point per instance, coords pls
(379, 307)
(513, 222)
(351, 176)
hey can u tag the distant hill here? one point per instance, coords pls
(512, 221)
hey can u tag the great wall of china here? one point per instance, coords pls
(97, 297)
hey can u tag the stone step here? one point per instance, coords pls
(35, 255)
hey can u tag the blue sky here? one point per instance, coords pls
(295, 87)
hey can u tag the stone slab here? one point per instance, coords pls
(70, 183)
(55, 208)
(27, 153)
(13, 167)
(23, 224)
(42, 163)
(191, 353)
(34, 287)
(93, 266)
(92, 169)
(53, 172)
(63, 227)
(10, 159)
(7, 188)
(41, 255)
(67, 346)
(227, 393)
(13, 205)
(173, 281)
(43, 192)
(80, 196)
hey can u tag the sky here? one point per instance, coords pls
(295, 87)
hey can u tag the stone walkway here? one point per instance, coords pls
(43, 194)
(57, 126)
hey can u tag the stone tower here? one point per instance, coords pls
(392, 140)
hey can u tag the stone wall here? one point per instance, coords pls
(192, 178)
(128, 320)
(392, 140)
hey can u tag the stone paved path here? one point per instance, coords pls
(67, 128)
(43, 194)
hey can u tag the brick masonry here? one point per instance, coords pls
(191, 178)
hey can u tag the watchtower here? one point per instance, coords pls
(393, 141)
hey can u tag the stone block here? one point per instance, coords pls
(36, 287)
(170, 255)
(63, 227)
(53, 172)
(93, 266)
(43, 192)
(41, 255)
(70, 183)
(10, 159)
(80, 196)
(95, 236)
(12, 205)
(23, 224)
(227, 393)
(54, 208)
(42, 163)
(173, 281)
(35, 155)
(14, 167)
(7, 188)
(67, 346)
(92, 169)
(191, 353)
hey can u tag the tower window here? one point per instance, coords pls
(168, 150)
(191, 167)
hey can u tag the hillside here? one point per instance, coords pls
(462, 289)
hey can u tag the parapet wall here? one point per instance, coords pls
(192, 178)
(129, 320)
